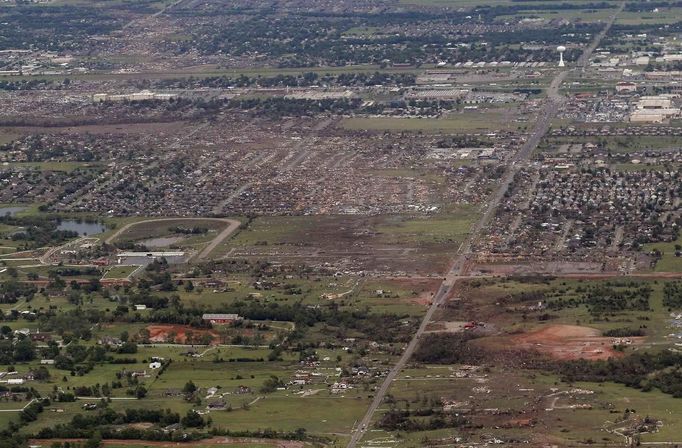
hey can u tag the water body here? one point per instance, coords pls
(83, 228)
(11, 210)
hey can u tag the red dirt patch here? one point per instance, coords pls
(425, 299)
(425, 287)
(518, 423)
(161, 333)
(568, 342)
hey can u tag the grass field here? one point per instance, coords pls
(452, 227)
(623, 144)
(411, 243)
(272, 230)
(585, 15)
(474, 3)
(655, 404)
(457, 3)
(466, 122)
(669, 262)
(664, 16)
(319, 411)
(363, 31)
(7, 136)
(119, 271)
(157, 229)
(633, 167)
(241, 287)
(522, 393)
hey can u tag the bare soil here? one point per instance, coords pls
(161, 333)
(568, 342)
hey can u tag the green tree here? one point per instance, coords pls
(95, 441)
(24, 350)
(189, 388)
(140, 392)
(193, 420)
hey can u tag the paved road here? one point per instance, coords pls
(45, 259)
(458, 268)
(232, 226)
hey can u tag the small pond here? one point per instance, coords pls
(11, 210)
(83, 228)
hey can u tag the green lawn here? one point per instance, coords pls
(669, 262)
(156, 229)
(621, 144)
(272, 230)
(452, 227)
(664, 16)
(119, 271)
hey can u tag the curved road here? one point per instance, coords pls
(232, 226)
(458, 268)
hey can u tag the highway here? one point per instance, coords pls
(458, 267)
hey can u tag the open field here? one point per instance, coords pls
(442, 229)
(119, 271)
(625, 144)
(663, 16)
(7, 136)
(154, 229)
(460, 123)
(586, 15)
(406, 242)
(669, 262)
(656, 320)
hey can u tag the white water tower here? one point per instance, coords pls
(561, 50)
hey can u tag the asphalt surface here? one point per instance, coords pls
(458, 268)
